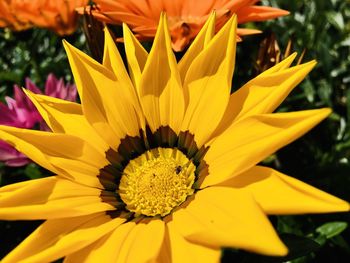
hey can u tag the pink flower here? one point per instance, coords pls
(56, 88)
(20, 112)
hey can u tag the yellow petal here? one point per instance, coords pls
(114, 62)
(220, 216)
(264, 93)
(59, 237)
(103, 250)
(13, 187)
(95, 252)
(143, 242)
(130, 242)
(177, 249)
(251, 140)
(112, 59)
(280, 194)
(84, 70)
(201, 41)
(108, 105)
(208, 83)
(50, 198)
(82, 173)
(35, 154)
(42, 147)
(160, 86)
(66, 117)
(106, 249)
(136, 56)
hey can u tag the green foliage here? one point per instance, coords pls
(32, 171)
(34, 53)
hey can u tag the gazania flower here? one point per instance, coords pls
(20, 112)
(162, 165)
(56, 15)
(186, 17)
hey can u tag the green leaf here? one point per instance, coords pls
(309, 90)
(298, 246)
(336, 19)
(32, 171)
(332, 229)
(324, 91)
(348, 103)
(321, 239)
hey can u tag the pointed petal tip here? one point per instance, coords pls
(34, 98)
(281, 250)
(286, 65)
(233, 20)
(284, 12)
(211, 20)
(126, 30)
(336, 204)
(291, 56)
(107, 33)
(163, 21)
(325, 111)
(233, 28)
(65, 43)
(67, 46)
(311, 63)
(108, 38)
(316, 115)
(342, 206)
(277, 12)
(28, 93)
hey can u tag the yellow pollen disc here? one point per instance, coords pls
(157, 181)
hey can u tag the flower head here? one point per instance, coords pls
(20, 112)
(162, 165)
(185, 17)
(57, 15)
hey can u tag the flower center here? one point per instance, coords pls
(157, 181)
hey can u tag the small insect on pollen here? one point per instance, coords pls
(178, 169)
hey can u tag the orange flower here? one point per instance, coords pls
(56, 15)
(186, 17)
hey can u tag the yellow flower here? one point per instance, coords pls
(162, 165)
